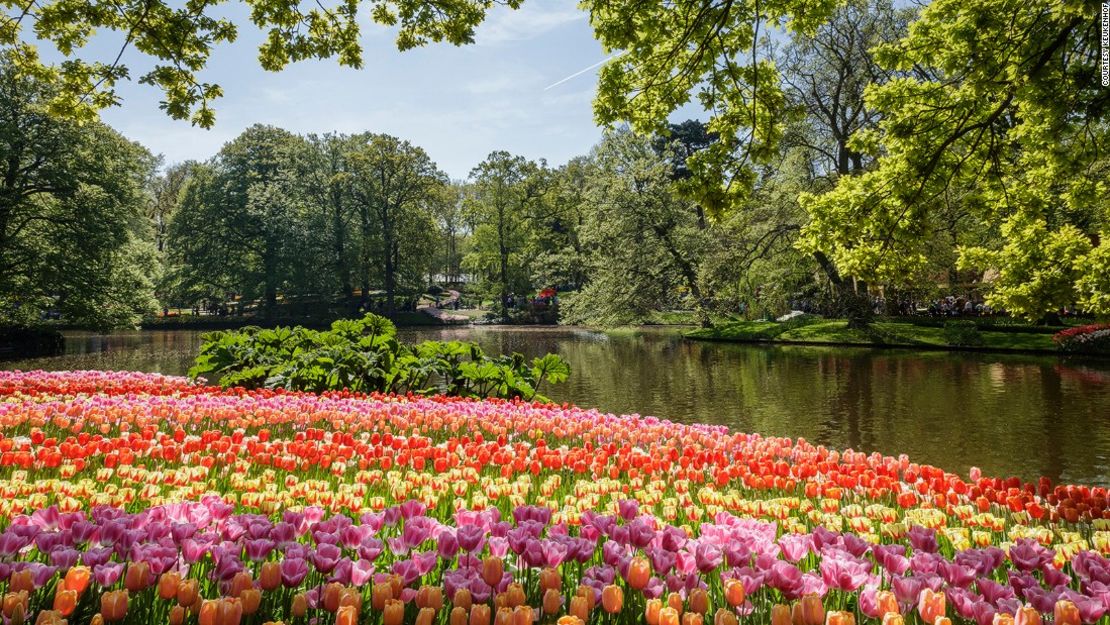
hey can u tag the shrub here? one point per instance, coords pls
(1088, 339)
(962, 334)
(365, 355)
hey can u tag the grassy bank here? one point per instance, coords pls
(879, 334)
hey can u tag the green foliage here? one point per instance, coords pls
(73, 239)
(962, 333)
(364, 355)
(180, 38)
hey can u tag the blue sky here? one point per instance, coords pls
(458, 103)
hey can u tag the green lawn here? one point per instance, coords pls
(878, 334)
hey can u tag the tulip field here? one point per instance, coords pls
(140, 498)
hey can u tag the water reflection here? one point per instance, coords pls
(1010, 415)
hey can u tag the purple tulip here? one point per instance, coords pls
(922, 539)
(361, 572)
(472, 538)
(708, 557)
(293, 571)
(326, 557)
(258, 550)
(107, 574)
(1028, 555)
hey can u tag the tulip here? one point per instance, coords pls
(943, 620)
(693, 618)
(229, 612)
(734, 592)
(187, 592)
(240, 582)
(22, 580)
(893, 618)
(137, 577)
(674, 601)
(462, 599)
(813, 610)
(514, 595)
(569, 619)
(479, 614)
(552, 601)
(426, 616)
(19, 613)
(493, 569)
(579, 608)
(97, 619)
(348, 615)
(167, 585)
(612, 598)
(586, 593)
(207, 614)
(379, 595)
(331, 596)
(1001, 618)
(431, 597)
(177, 615)
(698, 601)
(550, 579)
(930, 605)
(837, 617)
(113, 605)
(351, 597)
(651, 611)
(504, 616)
(1027, 615)
(394, 613)
(500, 600)
(458, 616)
(65, 601)
(886, 602)
(251, 598)
(13, 600)
(639, 572)
(1065, 613)
(77, 579)
(725, 616)
(49, 617)
(269, 577)
(300, 605)
(668, 616)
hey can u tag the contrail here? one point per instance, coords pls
(583, 71)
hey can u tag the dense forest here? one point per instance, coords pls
(855, 159)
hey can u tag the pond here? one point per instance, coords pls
(1008, 414)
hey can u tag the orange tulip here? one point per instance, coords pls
(426, 616)
(1002, 618)
(97, 619)
(493, 569)
(639, 573)
(780, 614)
(351, 598)
(579, 608)
(21, 580)
(1065, 613)
(113, 605)
(549, 578)
(431, 597)
(943, 620)
(394, 613)
(893, 618)
(137, 577)
(698, 601)
(188, 592)
(167, 585)
(346, 615)
(479, 614)
(587, 593)
(19, 613)
(330, 596)
(504, 616)
(251, 599)
(651, 611)
(458, 616)
(65, 601)
(240, 582)
(668, 616)
(931, 605)
(514, 595)
(813, 611)
(300, 605)
(552, 601)
(724, 616)
(229, 611)
(77, 579)
(612, 598)
(462, 599)
(49, 617)
(734, 592)
(177, 615)
(269, 577)
(379, 595)
(886, 602)
(569, 619)
(1027, 615)
(840, 618)
(693, 618)
(523, 615)
(674, 601)
(13, 600)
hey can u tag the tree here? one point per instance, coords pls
(180, 39)
(643, 238)
(72, 234)
(328, 178)
(506, 201)
(1009, 109)
(395, 185)
(241, 224)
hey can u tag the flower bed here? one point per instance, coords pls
(1091, 339)
(145, 499)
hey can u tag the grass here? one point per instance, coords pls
(882, 333)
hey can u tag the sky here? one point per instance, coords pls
(458, 103)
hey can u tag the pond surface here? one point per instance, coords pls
(1008, 414)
